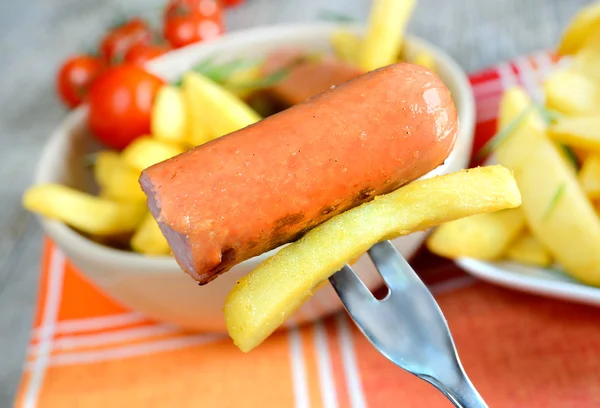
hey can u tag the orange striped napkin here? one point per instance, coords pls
(519, 350)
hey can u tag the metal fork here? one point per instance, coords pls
(407, 326)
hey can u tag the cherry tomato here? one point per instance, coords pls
(120, 101)
(141, 53)
(75, 76)
(231, 3)
(120, 39)
(189, 21)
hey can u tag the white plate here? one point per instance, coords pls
(546, 282)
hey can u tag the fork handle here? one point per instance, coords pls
(462, 395)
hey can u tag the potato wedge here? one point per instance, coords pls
(526, 249)
(580, 28)
(572, 92)
(587, 61)
(483, 236)
(169, 116)
(262, 300)
(582, 132)
(92, 215)
(148, 239)
(104, 163)
(198, 130)
(223, 111)
(589, 177)
(385, 33)
(117, 180)
(425, 59)
(346, 45)
(146, 151)
(554, 203)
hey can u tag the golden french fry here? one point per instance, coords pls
(554, 204)
(385, 33)
(582, 132)
(346, 45)
(526, 249)
(581, 27)
(262, 300)
(146, 151)
(589, 177)
(572, 92)
(198, 130)
(117, 180)
(482, 236)
(425, 59)
(148, 239)
(93, 215)
(169, 116)
(223, 111)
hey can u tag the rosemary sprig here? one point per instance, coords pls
(554, 201)
(329, 15)
(571, 156)
(502, 134)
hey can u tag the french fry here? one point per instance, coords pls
(482, 236)
(92, 215)
(383, 41)
(554, 204)
(148, 239)
(587, 60)
(571, 92)
(589, 177)
(117, 180)
(425, 59)
(346, 45)
(582, 132)
(146, 151)
(585, 23)
(223, 111)
(526, 249)
(262, 300)
(169, 116)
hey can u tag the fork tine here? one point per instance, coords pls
(394, 269)
(349, 287)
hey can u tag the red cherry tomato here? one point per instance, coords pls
(189, 21)
(120, 101)
(120, 39)
(75, 76)
(141, 53)
(231, 3)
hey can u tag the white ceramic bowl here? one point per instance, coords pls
(156, 286)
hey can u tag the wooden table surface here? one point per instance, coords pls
(36, 35)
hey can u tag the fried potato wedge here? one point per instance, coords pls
(580, 28)
(169, 116)
(146, 151)
(554, 204)
(572, 92)
(483, 236)
(117, 180)
(589, 177)
(223, 112)
(385, 33)
(198, 130)
(85, 212)
(262, 300)
(148, 239)
(587, 60)
(582, 132)
(526, 249)
(240, 81)
(346, 45)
